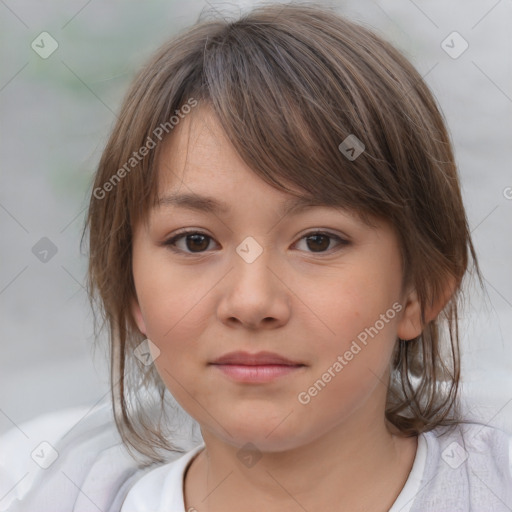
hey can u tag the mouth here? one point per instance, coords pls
(256, 368)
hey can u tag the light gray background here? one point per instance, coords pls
(57, 112)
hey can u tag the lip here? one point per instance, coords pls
(255, 368)
(257, 359)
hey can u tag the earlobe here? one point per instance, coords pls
(137, 316)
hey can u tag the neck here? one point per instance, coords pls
(355, 468)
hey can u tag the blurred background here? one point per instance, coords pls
(65, 67)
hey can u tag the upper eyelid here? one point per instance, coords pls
(309, 232)
(340, 238)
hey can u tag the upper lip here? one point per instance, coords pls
(259, 358)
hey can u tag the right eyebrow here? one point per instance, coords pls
(193, 201)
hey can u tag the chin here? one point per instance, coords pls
(266, 434)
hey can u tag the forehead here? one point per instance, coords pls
(198, 167)
(197, 150)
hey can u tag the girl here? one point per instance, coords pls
(278, 241)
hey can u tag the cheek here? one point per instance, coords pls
(351, 368)
(169, 297)
(353, 301)
(174, 324)
(174, 308)
(359, 316)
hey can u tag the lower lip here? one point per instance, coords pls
(261, 373)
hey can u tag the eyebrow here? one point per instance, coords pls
(197, 202)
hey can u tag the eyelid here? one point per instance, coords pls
(169, 242)
(341, 239)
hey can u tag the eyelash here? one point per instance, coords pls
(171, 242)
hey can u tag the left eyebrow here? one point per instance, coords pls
(193, 201)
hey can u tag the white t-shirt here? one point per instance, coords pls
(466, 469)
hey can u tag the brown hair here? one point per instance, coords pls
(288, 84)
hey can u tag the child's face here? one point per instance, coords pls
(335, 308)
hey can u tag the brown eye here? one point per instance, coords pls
(195, 243)
(320, 242)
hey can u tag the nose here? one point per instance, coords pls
(254, 295)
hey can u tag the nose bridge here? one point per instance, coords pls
(252, 264)
(250, 250)
(253, 293)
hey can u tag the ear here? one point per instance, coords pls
(410, 325)
(137, 316)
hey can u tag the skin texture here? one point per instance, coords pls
(304, 301)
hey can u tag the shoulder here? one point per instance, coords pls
(161, 489)
(467, 467)
(472, 443)
(68, 460)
